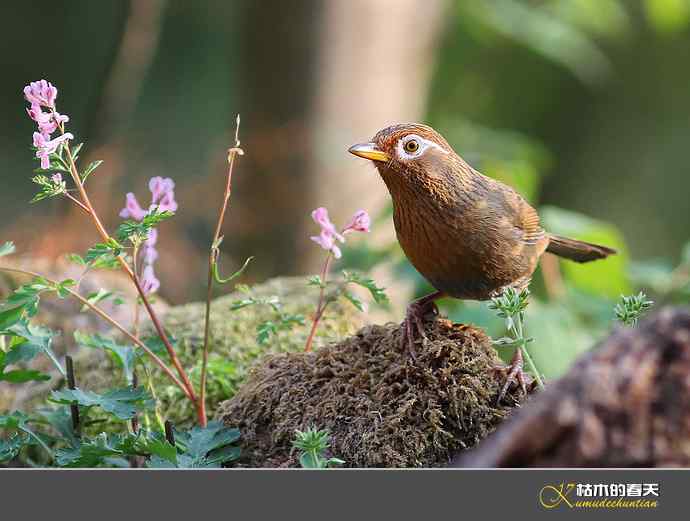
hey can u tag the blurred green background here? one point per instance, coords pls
(582, 105)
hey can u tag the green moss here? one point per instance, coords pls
(382, 408)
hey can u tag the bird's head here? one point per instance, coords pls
(409, 152)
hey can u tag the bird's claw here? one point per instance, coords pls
(514, 374)
(413, 325)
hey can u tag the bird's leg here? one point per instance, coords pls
(413, 324)
(515, 374)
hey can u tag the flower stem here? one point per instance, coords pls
(212, 260)
(189, 389)
(321, 307)
(525, 353)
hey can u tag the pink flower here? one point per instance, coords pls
(132, 209)
(41, 93)
(149, 281)
(320, 216)
(167, 203)
(360, 222)
(162, 194)
(327, 242)
(56, 178)
(48, 146)
(162, 198)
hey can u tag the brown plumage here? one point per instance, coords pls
(469, 235)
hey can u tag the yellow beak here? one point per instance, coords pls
(368, 151)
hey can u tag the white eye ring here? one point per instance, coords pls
(422, 146)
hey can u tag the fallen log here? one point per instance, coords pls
(624, 404)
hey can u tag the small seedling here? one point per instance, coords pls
(629, 309)
(314, 443)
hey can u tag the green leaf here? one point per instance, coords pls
(61, 420)
(62, 287)
(23, 302)
(10, 447)
(33, 340)
(315, 280)
(89, 169)
(208, 447)
(75, 151)
(378, 293)
(309, 460)
(125, 355)
(356, 302)
(96, 297)
(88, 453)
(20, 376)
(122, 403)
(109, 251)
(7, 248)
(20, 421)
(138, 231)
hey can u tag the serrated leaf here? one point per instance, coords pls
(110, 250)
(20, 421)
(122, 403)
(125, 355)
(377, 293)
(199, 442)
(88, 453)
(356, 302)
(10, 447)
(23, 302)
(90, 169)
(7, 248)
(75, 151)
(35, 340)
(138, 231)
(61, 420)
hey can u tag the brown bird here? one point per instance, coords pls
(469, 235)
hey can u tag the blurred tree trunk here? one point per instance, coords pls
(318, 76)
(374, 70)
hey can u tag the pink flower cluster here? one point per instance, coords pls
(360, 222)
(163, 199)
(42, 94)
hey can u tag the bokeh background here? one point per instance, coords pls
(583, 105)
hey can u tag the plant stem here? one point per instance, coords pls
(523, 345)
(123, 263)
(321, 307)
(98, 311)
(212, 260)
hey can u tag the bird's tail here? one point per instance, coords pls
(577, 251)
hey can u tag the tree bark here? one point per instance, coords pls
(624, 404)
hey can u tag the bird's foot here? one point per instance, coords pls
(413, 325)
(514, 375)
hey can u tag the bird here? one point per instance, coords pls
(470, 236)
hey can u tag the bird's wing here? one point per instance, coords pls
(524, 218)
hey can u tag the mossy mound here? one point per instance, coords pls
(382, 408)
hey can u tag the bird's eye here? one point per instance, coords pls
(411, 146)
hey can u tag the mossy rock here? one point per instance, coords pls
(233, 343)
(382, 407)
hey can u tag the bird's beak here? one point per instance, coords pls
(368, 151)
